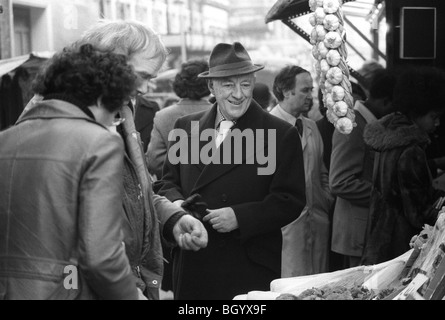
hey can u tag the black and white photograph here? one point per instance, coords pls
(220, 156)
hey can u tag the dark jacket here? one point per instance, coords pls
(145, 213)
(350, 180)
(326, 129)
(402, 194)
(145, 113)
(248, 258)
(60, 206)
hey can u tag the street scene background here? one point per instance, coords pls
(190, 29)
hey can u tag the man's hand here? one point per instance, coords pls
(222, 220)
(190, 233)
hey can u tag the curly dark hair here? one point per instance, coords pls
(86, 74)
(285, 80)
(187, 84)
(419, 90)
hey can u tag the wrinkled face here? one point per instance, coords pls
(300, 98)
(429, 122)
(233, 94)
(146, 67)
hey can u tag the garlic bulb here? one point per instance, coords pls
(328, 86)
(324, 66)
(315, 53)
(338, 93)
(332, 117)
(333, 40)
(319, 15)
(334, 75)
(329, 102)
(331, 22)
(312, 20)
(321, 32)
(313, 38)
(322, 50)
(330, 53)
(344, 125)
(340, 108)
(314, 4)
(331, 6)
(333, 57)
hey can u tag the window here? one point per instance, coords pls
(22, 31)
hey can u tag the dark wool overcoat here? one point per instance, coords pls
(248, 258)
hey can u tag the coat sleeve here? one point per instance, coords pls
(416, 189)
(287, 192)
(165, 209)
(102, 257)
(346, 169)
(169, 185)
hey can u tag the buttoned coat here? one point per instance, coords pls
(306, 240)
(248, 258)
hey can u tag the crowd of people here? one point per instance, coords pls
(216, 195)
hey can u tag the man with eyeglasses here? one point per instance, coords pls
(147, 214)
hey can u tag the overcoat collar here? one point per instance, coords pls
(53, 109)
(253, 119)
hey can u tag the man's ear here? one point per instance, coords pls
(287, 94)
(210, 85)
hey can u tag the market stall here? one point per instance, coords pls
(418, 274)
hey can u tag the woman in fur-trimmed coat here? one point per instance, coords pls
(402, 194)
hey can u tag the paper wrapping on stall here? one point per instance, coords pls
(373, 276)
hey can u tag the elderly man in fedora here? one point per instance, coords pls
(246, 207)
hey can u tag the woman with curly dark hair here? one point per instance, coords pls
(94, 80)
(61, 185)
(402, 196)
(192, 92)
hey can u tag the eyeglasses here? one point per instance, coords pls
(118, 121)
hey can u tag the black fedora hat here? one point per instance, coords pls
(228, 60)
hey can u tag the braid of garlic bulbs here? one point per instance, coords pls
(329, 50)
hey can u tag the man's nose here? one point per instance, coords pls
(143, 87)
(237, 93)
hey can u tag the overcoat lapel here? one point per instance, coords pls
(252, 120)
(196, 130)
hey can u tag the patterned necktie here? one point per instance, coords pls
(299, 125)
(223, 131)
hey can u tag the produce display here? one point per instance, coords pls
(329, 50)
(417, 274)
(337, 293)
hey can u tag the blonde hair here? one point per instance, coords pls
(124, 37)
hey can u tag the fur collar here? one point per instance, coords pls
(394, 131)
